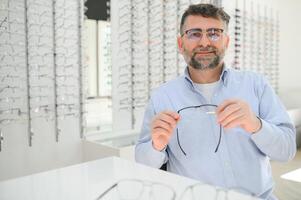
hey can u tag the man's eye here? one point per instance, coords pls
(214, 34)
(196, 34)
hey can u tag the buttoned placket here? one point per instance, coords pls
(223, 151)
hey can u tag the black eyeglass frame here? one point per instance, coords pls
(220, 126)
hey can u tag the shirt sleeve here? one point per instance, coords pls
(145, 153)
(277, 136)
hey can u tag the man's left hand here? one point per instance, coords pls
(234, 112)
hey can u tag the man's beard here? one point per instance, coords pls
(206, 62)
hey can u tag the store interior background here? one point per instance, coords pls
(93, 127)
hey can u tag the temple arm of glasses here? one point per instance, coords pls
(219, 139)
(106, 191)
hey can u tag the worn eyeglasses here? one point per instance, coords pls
(135, 189)
(196, 34)
(207, 111)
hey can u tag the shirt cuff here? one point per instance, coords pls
(158, 157)
(264, 136)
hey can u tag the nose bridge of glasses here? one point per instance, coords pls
(204, 41)
(210, 110)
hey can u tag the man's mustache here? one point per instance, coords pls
(202, 49)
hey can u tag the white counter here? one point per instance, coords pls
(86, 181)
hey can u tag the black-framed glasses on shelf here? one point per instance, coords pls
(136, 189)
(202, 108)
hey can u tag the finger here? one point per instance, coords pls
(229, 110)
(162, 124)
(235, 115)
(161, 133)
(168, 119)
(160, 139)
(172, 114)
(234, 123)
(223, 105)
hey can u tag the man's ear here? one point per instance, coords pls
(227, 41)
(180, 44)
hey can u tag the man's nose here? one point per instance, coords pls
(204, 41)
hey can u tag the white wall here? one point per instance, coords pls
(290, 41)
(290, 54)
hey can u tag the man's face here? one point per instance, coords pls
(203, 53)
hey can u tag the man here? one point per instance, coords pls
(181, 123)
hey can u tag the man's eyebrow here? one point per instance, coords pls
(199, 29)
(194, 29)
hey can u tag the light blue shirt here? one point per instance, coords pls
(243, 159)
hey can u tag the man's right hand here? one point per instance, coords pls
(162, 128)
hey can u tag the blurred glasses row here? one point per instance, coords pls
(136, 189)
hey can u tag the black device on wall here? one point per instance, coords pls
(98, 9)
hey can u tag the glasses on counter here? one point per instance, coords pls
(136, 189)
(204, 191)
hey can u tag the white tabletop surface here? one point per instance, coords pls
(293, 175)
(86, 181)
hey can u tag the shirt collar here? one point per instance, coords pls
(223, 76)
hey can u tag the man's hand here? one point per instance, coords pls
(232, 113)
(162, 127)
